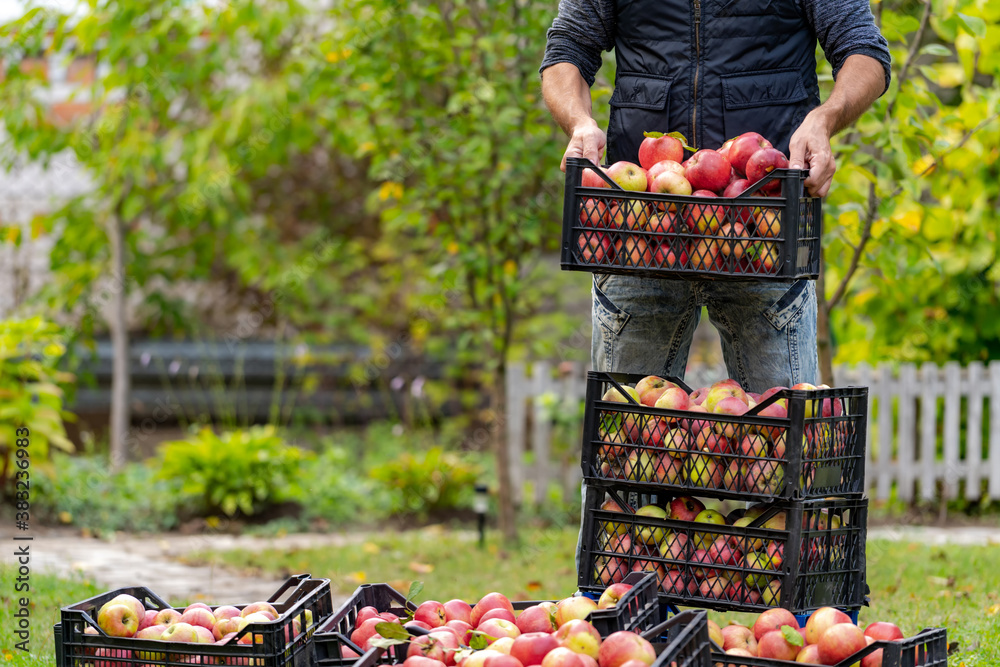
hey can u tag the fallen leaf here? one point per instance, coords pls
(370, 548)
(993, 610)
(421, 568)
(534, 586)
(358, 577)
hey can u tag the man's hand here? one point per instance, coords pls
(810, 146)
(587, 141)
(860, 81)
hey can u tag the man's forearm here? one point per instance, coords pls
(859, 83)
(567, 96)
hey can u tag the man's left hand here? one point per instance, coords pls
(810, 146)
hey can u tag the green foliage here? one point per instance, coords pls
(241, 470)
(87, 495)
(428, 482)
(333, 488)
(920, 177)
(31, 396)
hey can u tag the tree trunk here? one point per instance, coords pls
(505, 495)
(824, 340)
(120, 409)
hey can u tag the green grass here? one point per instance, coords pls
(47, 595)
(450, 564)
(912, 585)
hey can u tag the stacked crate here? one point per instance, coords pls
(805, 549)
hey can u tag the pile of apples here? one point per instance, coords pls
(550, 634)
(706, 236)
(705, 452)
(125, 616)
(828, 637)
(691, 563)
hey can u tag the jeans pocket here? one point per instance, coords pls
(607, 313)
(789, 307)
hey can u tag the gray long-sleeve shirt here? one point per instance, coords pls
(585, 28)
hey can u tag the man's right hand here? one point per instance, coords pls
(587, 141)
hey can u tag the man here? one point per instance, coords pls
(712, 69)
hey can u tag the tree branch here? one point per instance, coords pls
(874, 202)
(910, 56)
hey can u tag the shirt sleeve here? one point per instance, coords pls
(845, 28)
(581, 31)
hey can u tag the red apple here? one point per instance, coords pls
(684, 508)
(561, 657)
(668, 470)
(502, 660)
(675, 582)
(498, 628)
(594, 247)
(822, 620)
(810, 655)
(774, 645)
(497, 613)
(620, 647)
(458, 610)
(530, 648)
(592, 180)
(364, 632)
(744, 146)
(762, 163)
(148, 619)
(226, 626)
(182, 633)
(594, 213)
(672, 183)
(578, 606)
(541, 617)
(650, 387)
(705, 255)
(673, 398)
(256, 607)
(488, 602)
(611, 595)
(364, 614)
(732, 246)
(634, 251)
(119, 619)
(199, 617)
(580, 637)
(882, 631)
(627, 214)
(704, 218)
(767, 222)
(438, 645)
(657, 147)
(707, 170)
(422, 661)
(840, 642)
(628, 176)
(738, 636)
(773, 619)
(736, 188)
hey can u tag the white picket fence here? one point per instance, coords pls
(931, 430)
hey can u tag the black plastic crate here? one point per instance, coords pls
(273, 644)
(816, 560)
(682, 641)
(929, 648)
(637, 610)
(822, 438)
(610, 230)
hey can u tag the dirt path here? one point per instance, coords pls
(151, 561)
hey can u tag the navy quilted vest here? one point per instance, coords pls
(711, 69)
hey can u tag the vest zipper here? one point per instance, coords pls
(697, 66)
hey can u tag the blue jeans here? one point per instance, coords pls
(768, 331)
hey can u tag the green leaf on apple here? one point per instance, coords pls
(653, 135)
(416, 588)
(480, 640)
(382, 642)
(792, 636)
(392, 631)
